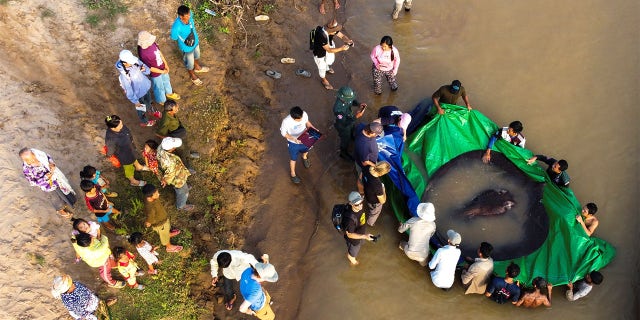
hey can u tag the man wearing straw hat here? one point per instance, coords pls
(374, 191)
(81, 302)
(324, 48)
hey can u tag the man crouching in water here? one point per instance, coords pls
(536, 298)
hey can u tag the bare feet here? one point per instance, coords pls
(353, 260)
(321, 8)
(336, 4)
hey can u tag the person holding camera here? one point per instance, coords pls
(324, 49)
(355, 228)
(183, 31)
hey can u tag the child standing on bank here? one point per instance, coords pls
(150, 155)
(146, 251)
(92, 174)
(128, 267)
(98, 204)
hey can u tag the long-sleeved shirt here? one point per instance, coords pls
(156, 214)
(37, 175)
(561, 179)
(382, 59)
(421, 232)
(581, 289)
(120, 144)
(240, 261)
(133, 80)
(517, 140)
(81, 302)
(478, 275)
(173, 170)
(444, 262)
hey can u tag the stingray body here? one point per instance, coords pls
(489, 203)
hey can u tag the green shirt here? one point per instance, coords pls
(343, 112)
(167, 124)
(156, 214)
(444, 95)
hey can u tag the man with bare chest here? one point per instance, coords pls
(536, 298)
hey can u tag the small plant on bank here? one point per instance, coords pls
(268, 8)
(103, 10)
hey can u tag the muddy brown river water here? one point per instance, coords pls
(567, 69)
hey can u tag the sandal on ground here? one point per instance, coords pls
(149, 123)
(173, 96)
(229, 305)
(175, 249)
(197, 81)
(111, 194)
(273, 74)
(187, 207)
(174, 233)
(303, 73)
(202, 70)
(111, 301)
(331, 71)
(152, 272)
(295, 179)
(288, 60)
(139, 184)
(327, 85)
(65, 214)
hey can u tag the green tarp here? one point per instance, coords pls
(567, 253)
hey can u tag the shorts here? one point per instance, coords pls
(353, 249)
(295, 148)
(129, 170)
(105, 218)
(188, 58)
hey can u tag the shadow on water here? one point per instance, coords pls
(514, 233)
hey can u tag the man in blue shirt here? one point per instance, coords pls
(184, 32)
(257, 301)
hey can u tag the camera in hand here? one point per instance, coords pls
(376, 237)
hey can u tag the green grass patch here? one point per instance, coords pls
(103, 11)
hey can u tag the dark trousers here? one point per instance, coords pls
(227, 289)
(345, 132)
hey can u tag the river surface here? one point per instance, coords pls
(567, 69)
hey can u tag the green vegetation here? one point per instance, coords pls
(46, 12)
(268, 8)
(103, 10)
(36, 259)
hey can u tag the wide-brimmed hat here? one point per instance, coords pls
(426, 211)
(169, 143)
(454, 237)
(267, 271)
(380, 169)
(145, 39)
(333, 26)
(61, 284)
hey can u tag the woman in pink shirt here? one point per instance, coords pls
(386, 60)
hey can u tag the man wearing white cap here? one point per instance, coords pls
(81, 302)
(257, 301)
(444, 262)
(355, 227)
(150, 54)
(422, 228)
(174, 172)
(135, 84)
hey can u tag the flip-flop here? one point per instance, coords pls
(303, 73)
(273, 74)
(262, 17)
(197, 81)
(288, 60)
(202, 70)
(327, 86)
(140, 184)
(331, 71)
(176, 249)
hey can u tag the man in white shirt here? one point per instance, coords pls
(232, 263)
(422, 228)
(294, 125)
(584, 286)
(444, 262)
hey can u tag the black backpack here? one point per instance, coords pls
(337, 216)
(312, 37)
